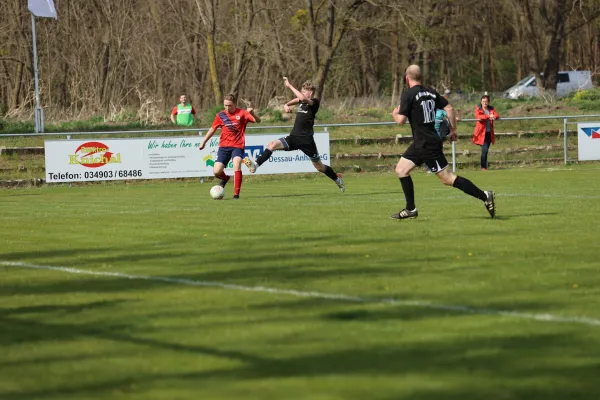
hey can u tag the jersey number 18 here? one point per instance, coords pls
(428, 111)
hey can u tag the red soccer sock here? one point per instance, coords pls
(237, 182)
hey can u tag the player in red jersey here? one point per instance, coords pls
(232, 121)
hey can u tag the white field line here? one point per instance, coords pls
(321, 295)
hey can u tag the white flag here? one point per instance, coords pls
(42, 8)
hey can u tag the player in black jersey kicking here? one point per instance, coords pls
(418, 105)
(302, 135)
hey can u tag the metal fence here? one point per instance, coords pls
(565, 120)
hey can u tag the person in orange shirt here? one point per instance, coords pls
(232, 121)
(483, 135)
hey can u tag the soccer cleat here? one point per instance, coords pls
(224, 181)
(490, 203)
(250, 164)
(340, 183)
(406, 214)
(236, 197)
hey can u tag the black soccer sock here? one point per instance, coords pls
(409, 192)
(264, 157)
(469, 188)
(330, 173)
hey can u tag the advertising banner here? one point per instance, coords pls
(588, 141)
(83, 160)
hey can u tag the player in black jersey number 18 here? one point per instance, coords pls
(418, 106)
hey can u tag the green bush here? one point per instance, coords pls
(588, 105)
(377, 113)
(586, 100)
(209, 114)
(276, 115)
(17, 127)
(125, 116)
(583, 95)
(325, 115)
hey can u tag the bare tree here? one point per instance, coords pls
(106, 57)
(323, 51)
(206, 8)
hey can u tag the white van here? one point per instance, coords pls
(568, 81)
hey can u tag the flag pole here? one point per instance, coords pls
(38, 113)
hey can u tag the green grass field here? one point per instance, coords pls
(153, 291)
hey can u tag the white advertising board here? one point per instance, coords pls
(588, 141)
(159, 158)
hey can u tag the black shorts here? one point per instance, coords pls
(305, 144)
(431, 154)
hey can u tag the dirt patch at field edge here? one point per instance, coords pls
(22, 183)
(539, 109)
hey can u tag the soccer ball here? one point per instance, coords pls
(217, 192)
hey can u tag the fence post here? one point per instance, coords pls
(69, 138)
(453, 156)
(201, 178)
(566, 137)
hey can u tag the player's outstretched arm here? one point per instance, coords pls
(256, 116)
(209, 134)
(297, 92)
(287, 107)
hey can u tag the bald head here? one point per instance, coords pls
(413, 73)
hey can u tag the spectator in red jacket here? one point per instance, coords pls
(483, 135)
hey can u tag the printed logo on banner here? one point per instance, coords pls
(594, 132)
(253, 151)
(211, 158)
(93, 155)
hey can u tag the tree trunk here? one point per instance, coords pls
(207, 15)
(16, 90)
(532, 45)
(242, 58)
(555, 18)
(212, 66)
(276, 43)
(314, 40)
(155, 13)
(366, 56)
(334, 38)
(394, 58)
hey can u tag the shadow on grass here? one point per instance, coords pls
(479, 366)
(26, 330)
(504, 217)
(246, 274)
(317, 194)
(274, 260)
(62, 308)
(17, 194)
